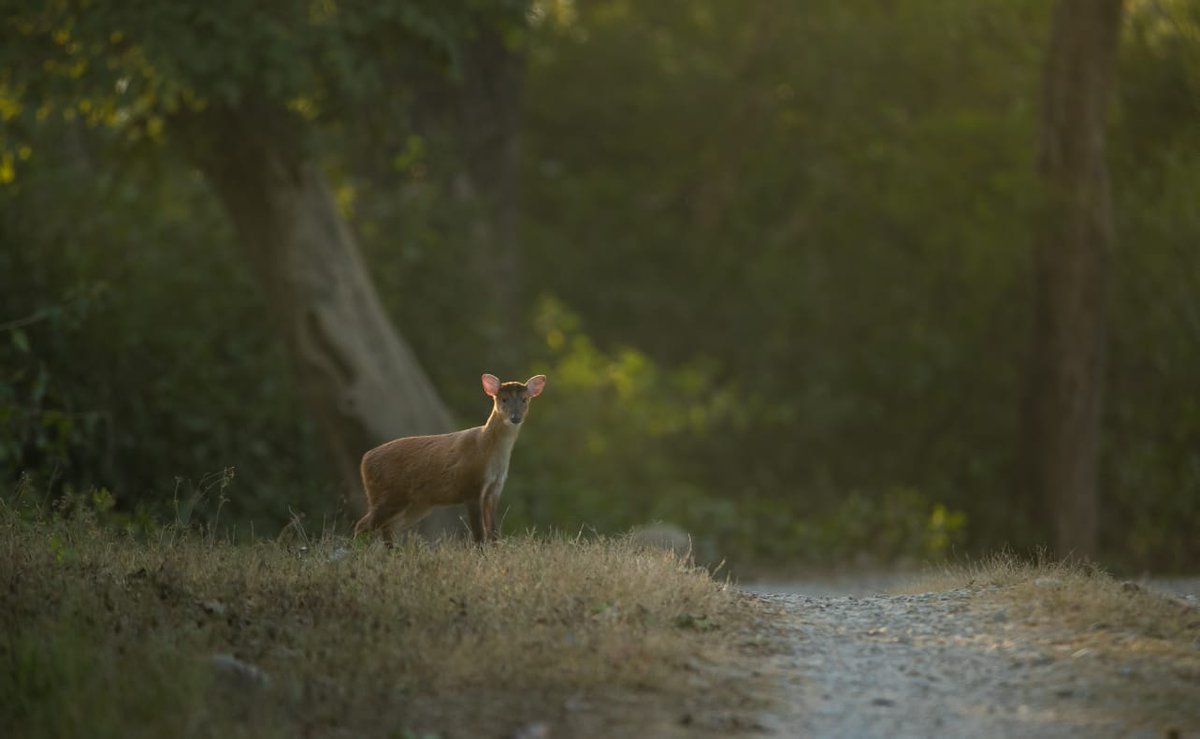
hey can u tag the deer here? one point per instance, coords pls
(406, 478)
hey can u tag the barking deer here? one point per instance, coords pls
(404, 479)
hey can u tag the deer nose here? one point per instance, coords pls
(515, 418)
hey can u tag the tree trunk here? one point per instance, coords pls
(1071, 264)
(360, 379)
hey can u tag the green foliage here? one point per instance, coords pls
(146, 361)
(34, 421)
(837, 212)
(1151, 459)
(608, 445)
(775, 261)
(843, 242)
(618, 441)
(107, 61)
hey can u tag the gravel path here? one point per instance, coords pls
(936, 664)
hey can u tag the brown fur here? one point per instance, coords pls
(406, 478)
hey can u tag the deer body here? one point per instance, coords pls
(406, 478)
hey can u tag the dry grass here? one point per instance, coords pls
(1075, 595)
(106, 636)
(1142, 647)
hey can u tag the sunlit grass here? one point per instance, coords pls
(107, 636)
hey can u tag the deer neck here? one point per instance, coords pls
(499, 437)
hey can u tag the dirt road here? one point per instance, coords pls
(955, 664)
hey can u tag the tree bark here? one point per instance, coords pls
(360, 379)
(1070, 273)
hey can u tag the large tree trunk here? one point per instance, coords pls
(360, 379)
(1071, 264)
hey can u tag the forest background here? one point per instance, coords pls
(775, 258)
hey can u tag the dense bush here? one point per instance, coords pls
(145, 363)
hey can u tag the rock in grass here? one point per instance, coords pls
(213, 607)
(339, 554)
(535, 730)
(241, 674)
(665, 536)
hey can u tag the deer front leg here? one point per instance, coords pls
(491, 497)
(475, 518)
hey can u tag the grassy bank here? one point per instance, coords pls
(187, 635)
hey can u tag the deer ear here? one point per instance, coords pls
(491, 385)
(536, 385)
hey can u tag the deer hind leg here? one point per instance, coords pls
(365, 524)
(407, 518)
(380, 511)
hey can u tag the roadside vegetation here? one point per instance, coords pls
(178, 632)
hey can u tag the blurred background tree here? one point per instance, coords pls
(1062, 422)
(775, 260)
